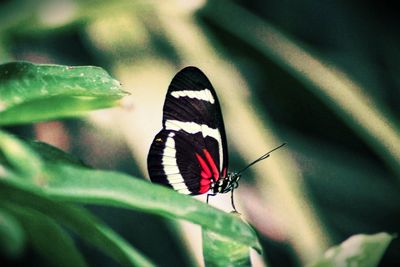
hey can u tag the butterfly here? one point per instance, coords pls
(190, 153)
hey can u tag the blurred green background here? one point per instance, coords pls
(321, 76)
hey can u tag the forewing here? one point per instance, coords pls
(192, 105)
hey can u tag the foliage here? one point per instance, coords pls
(55, 91)
(36, 177)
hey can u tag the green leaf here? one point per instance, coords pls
(53, 154)
(78, 220)
(19, 156)
(82, 185)
(12, 235)
(116, 189)
(223, 251)
(48, 238)
(26, 158)
(357, 251)
(31, 92)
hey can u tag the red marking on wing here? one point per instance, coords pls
(205, 171)
(205, 175)
(212, 164)
(204, 187)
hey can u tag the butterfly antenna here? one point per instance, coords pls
(266, 155)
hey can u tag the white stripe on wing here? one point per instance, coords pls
(204, 95)
(170, 166)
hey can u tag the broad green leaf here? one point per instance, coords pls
(53, 154)
(19, 156)
(85, 225)
(31, 92)
(80, 185)
(223, 251)
(357, 251)
(12, 235)
(47, 237)
(26, 158)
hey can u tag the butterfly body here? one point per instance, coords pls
(227, 184)
(190, 153)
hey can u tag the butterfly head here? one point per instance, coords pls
(227, 183)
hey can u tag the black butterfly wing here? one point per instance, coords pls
(190, 152)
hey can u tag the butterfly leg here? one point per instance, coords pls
(208, 195)
(233, 203)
